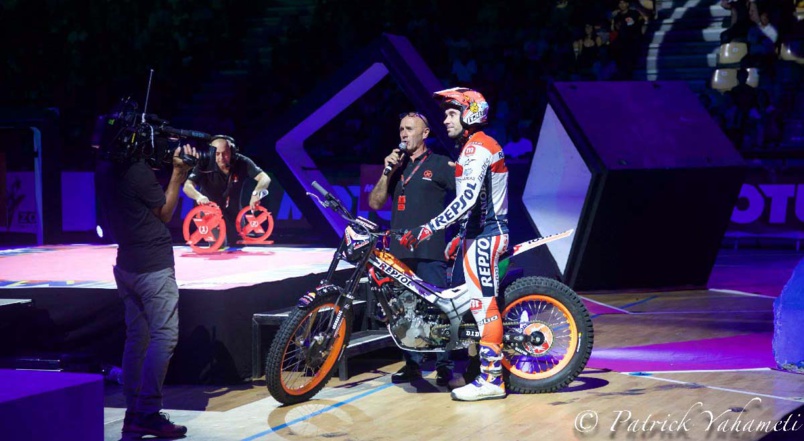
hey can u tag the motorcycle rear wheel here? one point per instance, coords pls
(298, 365)
(561, 332)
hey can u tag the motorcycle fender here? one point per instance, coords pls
(305, 300)
(320, 291)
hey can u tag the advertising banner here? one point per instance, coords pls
(771, 202)
(20, 215)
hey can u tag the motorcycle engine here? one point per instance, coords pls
(417, 324)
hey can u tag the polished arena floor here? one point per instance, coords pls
(666, 365)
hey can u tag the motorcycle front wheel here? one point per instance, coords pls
(303, 357)
(556, 333)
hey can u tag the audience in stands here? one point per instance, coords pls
(761, 41)
(744, 116)
(586, 51)
(740, 20)
(544, 42)
(626, 28)
(755, 118)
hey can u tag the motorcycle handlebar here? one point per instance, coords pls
(332, 202)
(397, 234)
(335, 204)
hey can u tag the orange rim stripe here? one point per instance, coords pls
(328, 363)
(573, 344)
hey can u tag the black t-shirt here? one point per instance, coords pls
(128, 193)
(425, 189)
(218, 186)
(628, 26)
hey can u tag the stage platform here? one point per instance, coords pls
(90, 266)
(75, 307)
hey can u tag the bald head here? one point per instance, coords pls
(413, 131)
(223, 153)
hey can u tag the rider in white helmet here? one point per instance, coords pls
(481, 203)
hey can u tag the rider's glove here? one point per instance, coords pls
(451, 251)
(412, 238)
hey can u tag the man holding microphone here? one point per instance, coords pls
(419, 181)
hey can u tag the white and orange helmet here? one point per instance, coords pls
(473, 106)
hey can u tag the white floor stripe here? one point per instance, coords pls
(741, 293)
(606, 305)
(694, 371)
(725, 389)
(710, 311)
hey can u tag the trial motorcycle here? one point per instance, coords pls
(547, 336)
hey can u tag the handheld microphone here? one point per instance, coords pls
(402, 146)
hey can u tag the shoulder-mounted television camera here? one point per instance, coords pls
(124, 135)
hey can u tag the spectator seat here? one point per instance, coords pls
(786, 54)
(731, 53)
(724, 79)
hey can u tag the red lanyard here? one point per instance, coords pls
(405, 181)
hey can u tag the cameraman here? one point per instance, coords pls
(137, 210)
(222, 182)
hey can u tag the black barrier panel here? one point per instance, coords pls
(644, 176)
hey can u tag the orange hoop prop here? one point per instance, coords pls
(209, 228)
(254, 227)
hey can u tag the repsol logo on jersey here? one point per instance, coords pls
(484, 261)
(456, 208)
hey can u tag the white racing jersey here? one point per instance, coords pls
(481, 190)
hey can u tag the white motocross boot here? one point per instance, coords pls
(488, 385)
